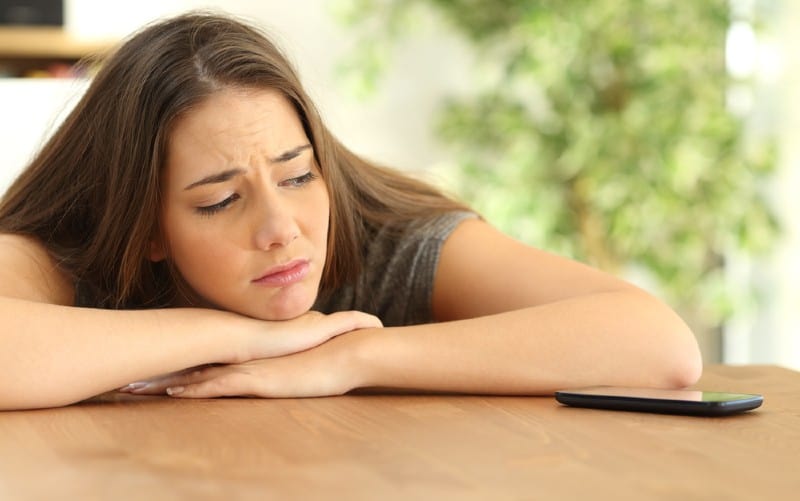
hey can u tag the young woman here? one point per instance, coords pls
(194, 229)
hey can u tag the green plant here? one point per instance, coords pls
(599, 129)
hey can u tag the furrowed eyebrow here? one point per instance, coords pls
(288, 155)
(227, 175)
(219, 177)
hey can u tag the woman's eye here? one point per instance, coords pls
(296, 182)
(210, 210)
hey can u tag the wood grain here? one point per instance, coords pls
(405, 447)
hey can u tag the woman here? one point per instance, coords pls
(193, 228)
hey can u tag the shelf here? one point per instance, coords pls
(47, 43)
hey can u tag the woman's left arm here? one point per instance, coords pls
(514, 319)
(511, 320)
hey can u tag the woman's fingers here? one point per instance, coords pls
(158, 385)
(307, 331)
(224, 385)
(346, 321)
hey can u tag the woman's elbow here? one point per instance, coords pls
(682, 361)
(687, 370)
(666, 351)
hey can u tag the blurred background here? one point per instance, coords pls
(653, 139)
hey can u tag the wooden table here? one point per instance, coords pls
(405, 447)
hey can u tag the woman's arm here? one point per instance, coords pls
(54, 354)
(545, 322)
(615, 338)
(514, 320)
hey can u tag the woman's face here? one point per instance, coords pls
(245, 212)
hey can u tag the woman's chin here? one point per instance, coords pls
(285, 311)
(284, 307)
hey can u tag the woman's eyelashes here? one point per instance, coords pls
(295, 182)
(210, 210)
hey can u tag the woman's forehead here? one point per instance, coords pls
(235, 111)
(233, 122)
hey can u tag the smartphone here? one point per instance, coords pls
(689, 402)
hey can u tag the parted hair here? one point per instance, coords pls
(92, 194)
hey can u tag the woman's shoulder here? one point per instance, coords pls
(437, 226)
(28, 271)
(444, 224)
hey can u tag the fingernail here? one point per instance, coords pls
(175, 390)
(133, 387)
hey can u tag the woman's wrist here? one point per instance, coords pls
(360, 362)
(348, 370)
(231, 335)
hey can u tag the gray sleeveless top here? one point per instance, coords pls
(396, 281)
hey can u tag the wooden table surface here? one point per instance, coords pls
(405, 447)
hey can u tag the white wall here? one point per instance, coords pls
(785, 313)
(771, 333)
(29, 110)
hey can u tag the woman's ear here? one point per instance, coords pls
(157, 250)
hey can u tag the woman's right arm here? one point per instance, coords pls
(53, 354)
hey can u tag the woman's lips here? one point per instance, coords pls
(285, 274)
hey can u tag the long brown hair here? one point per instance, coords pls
(92, 194)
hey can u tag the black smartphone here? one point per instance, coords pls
(690, 402)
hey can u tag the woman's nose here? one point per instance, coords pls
(275, 225)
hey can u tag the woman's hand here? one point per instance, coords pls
(321, 371)
(279, 338)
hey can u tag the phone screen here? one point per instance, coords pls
(693, 402)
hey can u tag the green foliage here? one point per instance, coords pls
(598, 129)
